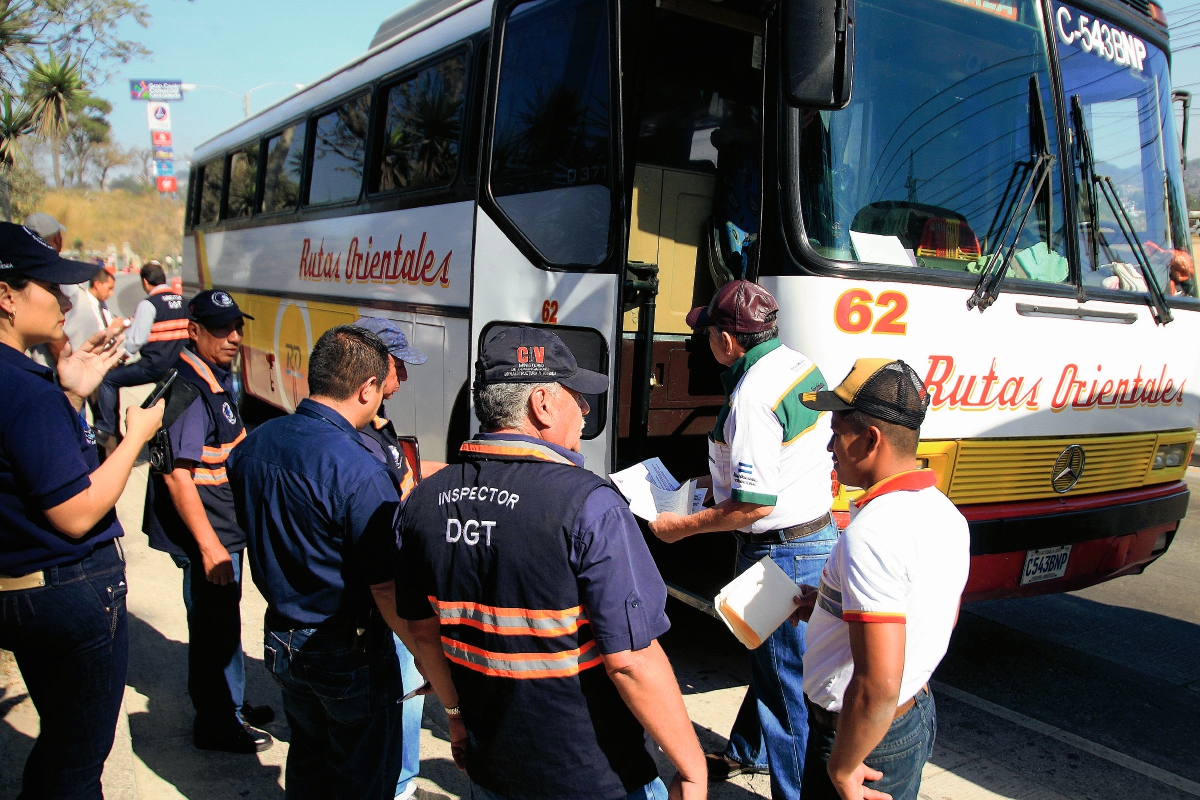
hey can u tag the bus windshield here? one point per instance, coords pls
(927, 167)
(1120, 87)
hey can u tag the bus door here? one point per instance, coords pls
(550, 220)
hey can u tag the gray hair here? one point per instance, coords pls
(506, 405)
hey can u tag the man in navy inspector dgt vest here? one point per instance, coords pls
(190, 516)
(159, 331)
(534, 602)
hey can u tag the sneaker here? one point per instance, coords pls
(236, 740)
(721, 767)
(257, 715)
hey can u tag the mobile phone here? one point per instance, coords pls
(413, 693)
(160, 388)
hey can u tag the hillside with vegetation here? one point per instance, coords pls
(152, 224)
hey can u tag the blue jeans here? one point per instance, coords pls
(410, 679)
(339, 695)
(900, 756)
(654, 790)
(109, 400)
(216, 666)
(71, 640)
(773, 710)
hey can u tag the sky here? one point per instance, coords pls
(241, 44)
(236, 45)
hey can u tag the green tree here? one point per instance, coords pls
(52, 88)
(16, 121)
(87, 128)
(86, 30)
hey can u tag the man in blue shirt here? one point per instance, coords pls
(534, 602)
(319, 512)
(189, 515)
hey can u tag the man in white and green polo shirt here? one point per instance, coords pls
(771, 481)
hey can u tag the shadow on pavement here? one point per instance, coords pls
(704, 653)
(14, 745)
(1042, 676)
(162, 734)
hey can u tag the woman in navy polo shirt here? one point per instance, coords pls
(62, 580)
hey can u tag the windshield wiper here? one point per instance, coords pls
(1039, 170)
(1093, 180)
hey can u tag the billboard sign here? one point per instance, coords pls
(160, 138)
(164, 167)
(162, 91)
(164, 153)
(167, 184)
(158, 115)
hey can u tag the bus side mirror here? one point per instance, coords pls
(817, 38)
(1184, 98)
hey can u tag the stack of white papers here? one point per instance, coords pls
(757, 602)
(651, 489)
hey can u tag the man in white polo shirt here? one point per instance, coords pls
(888, 596)
(771, 483)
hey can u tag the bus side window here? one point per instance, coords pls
(475, 120)
(189, 213)
(243, 182)
(552, 145)
(338, 152)
(422, 122)
(212, 176)
(284, 164)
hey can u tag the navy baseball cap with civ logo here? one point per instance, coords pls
(214, 308)
(23, 252)
(533, 355)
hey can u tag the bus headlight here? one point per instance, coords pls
(1170, 455)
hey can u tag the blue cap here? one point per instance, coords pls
(214, 308)
(23, 252)
(393, 337)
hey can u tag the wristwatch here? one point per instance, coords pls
(453, 712)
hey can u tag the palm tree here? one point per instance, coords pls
(16, 120)
(52, 88)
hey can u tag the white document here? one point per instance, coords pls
(651, 489)
(875, 249)
(757, 602)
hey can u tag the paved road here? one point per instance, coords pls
(1087, 695)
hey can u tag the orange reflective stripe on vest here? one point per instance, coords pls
(202, 370)
(168, 330)
(510, 621)
(523, 666)
(209, 477)
(218, 455)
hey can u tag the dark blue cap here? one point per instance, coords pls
(23, 252)
(533, 355)
(213, 308)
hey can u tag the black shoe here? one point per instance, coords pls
(721, 767)
(236, 740)
(257, 715)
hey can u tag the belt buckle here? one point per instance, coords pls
(16, 583)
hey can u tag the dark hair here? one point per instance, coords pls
(903, 440)
(343, 359)
(17, 282)
(748, 341)
(102, 276)
(153, 274)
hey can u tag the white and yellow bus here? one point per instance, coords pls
(988, 189)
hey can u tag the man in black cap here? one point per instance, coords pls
(881, 619)
(522, 574)
(190, 515)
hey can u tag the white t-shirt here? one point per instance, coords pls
(766, 447)
(903, 558)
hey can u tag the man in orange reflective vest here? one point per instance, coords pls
(190, 516)
(534, 603)
(159, 332)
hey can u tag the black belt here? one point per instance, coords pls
(788, 534)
